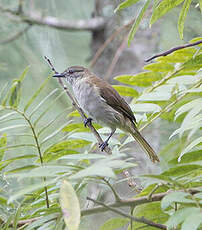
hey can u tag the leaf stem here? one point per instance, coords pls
(37, 145)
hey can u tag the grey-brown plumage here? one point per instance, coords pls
(104, 105)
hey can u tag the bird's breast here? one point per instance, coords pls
(93, 104)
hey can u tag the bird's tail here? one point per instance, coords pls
(145, 145)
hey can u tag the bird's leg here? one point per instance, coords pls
(87, 121)
(105, 143)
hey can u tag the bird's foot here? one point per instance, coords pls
(88, 121)
(103, 145)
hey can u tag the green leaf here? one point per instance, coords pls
(70, 206)
(15, 92)
(151, 211)
(181, 170)
(146, 191)
(36, 109)
(29, 189)
(200, 4)
(114, 223)
(78, 127)
(192, 222)
(7, 115)
(163, 7)
(13, 127)
(103, 168)
(125, 4)
(53, 134)
(19, 169)
(31, 100)
(10, 160)
(159, 67)
(188, 106)
(50, 105)
(83, 156)
(188, 157)
(191, 146)
(68, 144)
(43, 171)
(155, 96)
(178, 197)
(125, 90)
(137, 22)
(141, 79)
(193, 64)
(37, 224)
(145, 108)
(23, 75)
(17, 217)
(182, 17)
(74, 114)
(180, 215)
(3, 144)
(161, 178)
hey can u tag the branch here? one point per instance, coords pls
(140, 220)
(76, 106)
(130, 202)
(16, 36)
(92, 24)
(108, 41)
(173, 49)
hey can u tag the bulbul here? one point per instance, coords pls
(104, 105)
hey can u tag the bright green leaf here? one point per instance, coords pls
(15, 93)
(193, 64)
(163, 7)
(182, 17)
(150, 211)
(159, 67)
(70, 206)
(78, 127)
(137, 22)
(181, 170)
(125, 90)
(188, 157)
(141, 79)
(125, 4)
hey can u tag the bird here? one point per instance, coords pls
(104, 105)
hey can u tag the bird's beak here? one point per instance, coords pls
(59, 75)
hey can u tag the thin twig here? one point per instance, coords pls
(16, 36)
(35, 18)
(140, 220)
(117, 198)
(116, 58)
(108, 41)
(133, 202)
(76, 106)
(173, 49)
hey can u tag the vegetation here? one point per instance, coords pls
(47, 162)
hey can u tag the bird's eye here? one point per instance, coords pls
(71, 71)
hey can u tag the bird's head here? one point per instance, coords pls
(73, 74)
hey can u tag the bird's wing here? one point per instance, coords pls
(112, 98)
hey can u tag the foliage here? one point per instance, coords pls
(159, 9)
(38, 152)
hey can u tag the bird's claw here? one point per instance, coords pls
(87, 121)
(103, 145)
